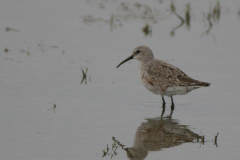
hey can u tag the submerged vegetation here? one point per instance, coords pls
(84, 76)
(54, 106)
(115, 145)
(147, 30)
(213, 15)
(215, 139)
(152, 15)
(8, 29)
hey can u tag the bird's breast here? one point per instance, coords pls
(150, 84)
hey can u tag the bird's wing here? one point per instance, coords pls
(165, 74)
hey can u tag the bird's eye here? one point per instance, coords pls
(138, 51)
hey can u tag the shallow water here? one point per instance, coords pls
(47, 44)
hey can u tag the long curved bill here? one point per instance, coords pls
(129, 58)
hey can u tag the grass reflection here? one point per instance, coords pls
(173, 10)
(126, 12)
(84, 76)
(115, 145)
(213, 15)
(54, 106)
(147, 30)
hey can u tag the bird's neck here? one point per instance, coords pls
(143, 64)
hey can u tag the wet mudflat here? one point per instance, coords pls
(62, 96)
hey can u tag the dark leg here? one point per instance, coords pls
(163, 111)
(172, 106)
(171, 113)
(163, 106)
(163, 102)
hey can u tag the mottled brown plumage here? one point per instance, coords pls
(161, 77)
(167, 75)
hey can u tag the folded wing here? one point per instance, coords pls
(165, 74)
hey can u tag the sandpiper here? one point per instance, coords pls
(161, 77)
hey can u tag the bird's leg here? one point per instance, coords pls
(171, 113)
(172, 106)
(163, 111)
(163, 106)
(163, 103)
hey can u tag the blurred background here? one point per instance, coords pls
(62, 96)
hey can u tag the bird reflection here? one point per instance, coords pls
(158, 133)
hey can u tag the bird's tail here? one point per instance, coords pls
(203, 84)
(185, 80)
